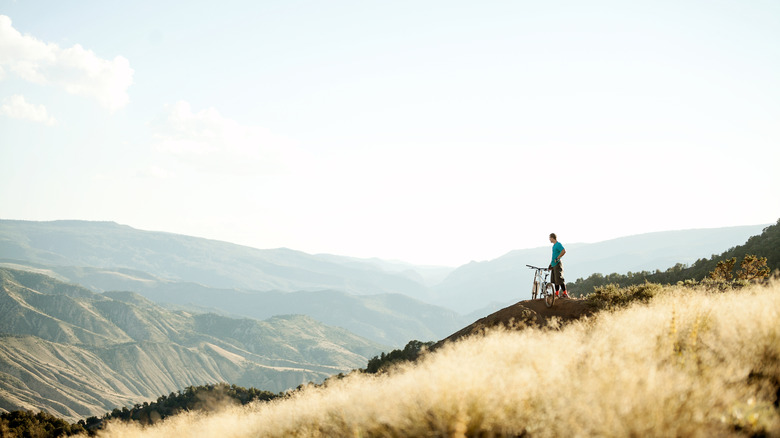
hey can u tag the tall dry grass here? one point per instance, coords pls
(690, 363)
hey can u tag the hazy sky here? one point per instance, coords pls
(434, 132)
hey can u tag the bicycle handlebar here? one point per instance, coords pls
(534, 267)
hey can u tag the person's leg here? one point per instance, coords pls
(552, 280)
(556, 277)
(560, 283)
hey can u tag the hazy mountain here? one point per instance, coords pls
(390, 319)
(487, 286)
(425, 274)
(76, 353)
(370, 297)
(198, 272)
(191, 259)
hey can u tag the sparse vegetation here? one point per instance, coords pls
(653, 364)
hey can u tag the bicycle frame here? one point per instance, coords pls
(539, 281)
(540, 286)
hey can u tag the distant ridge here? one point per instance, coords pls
(109, 256)
(177, 257)
(382, 301)
(490, 285)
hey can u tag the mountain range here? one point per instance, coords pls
(375, 299)
(190, 271)
(77, 353)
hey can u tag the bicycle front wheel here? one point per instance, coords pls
(549, 294)
(534, 290)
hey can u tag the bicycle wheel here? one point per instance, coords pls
(534, 290)
(549, 294)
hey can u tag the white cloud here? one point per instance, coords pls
(75, 69)
(18, 108)
(211, 142)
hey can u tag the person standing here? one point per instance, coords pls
(556, 266)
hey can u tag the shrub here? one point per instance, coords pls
(612, 296)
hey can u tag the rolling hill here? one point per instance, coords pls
(76, 353)
(390, 319)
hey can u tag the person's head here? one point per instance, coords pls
(553, 238)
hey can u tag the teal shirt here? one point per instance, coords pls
(557, 249)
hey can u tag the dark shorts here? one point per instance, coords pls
(557, 275)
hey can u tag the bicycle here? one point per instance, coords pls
(541, 287)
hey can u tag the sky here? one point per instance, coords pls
(432, 132)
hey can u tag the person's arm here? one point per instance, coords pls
(563, 252)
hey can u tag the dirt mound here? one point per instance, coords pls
(530, 313)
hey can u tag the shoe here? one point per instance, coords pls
(556, 294)
(566, 295)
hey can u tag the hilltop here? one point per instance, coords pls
(530, 313)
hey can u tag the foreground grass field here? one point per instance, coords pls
(689, 363)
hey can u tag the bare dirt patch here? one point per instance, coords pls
(530, 313)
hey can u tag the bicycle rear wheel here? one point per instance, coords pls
(549, 294)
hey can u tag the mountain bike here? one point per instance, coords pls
(541, 287)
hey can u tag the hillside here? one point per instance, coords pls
(766, 244)
(76, 353)
(389, 319)
(654, 368)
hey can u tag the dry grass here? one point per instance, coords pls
(689, 363)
